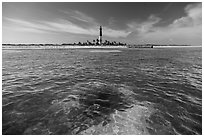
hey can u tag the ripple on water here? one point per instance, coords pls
(95, 107)
(128, 122)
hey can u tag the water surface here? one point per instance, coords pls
(112, 91)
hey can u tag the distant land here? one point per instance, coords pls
(74, 45)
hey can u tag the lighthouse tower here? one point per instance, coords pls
(100, 36)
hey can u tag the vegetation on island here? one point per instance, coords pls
(96, 43)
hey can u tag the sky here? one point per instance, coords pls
(129, 22)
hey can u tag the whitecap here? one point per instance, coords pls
(130, 121)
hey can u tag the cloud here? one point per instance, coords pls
(83, 17)
(59, 25)
(22, 22)
(63, 26)
(184, 30)
(193, 18)
(92, 25)
(80, 18)
(66, 26)
(23, 29)
(22, 25)
(115, 33)
(74, 22)
(144, 27)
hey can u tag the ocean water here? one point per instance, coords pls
(103, 91)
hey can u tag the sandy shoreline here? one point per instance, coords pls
(176, 46)
(62, 47)
(86, 47)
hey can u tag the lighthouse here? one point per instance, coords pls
(100, 35)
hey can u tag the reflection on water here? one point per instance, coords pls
(144, 91)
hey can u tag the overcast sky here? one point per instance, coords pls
(159, 23)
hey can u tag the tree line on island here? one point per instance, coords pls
(96, 43)
(87, 43)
